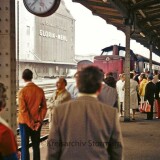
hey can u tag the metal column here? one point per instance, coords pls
(127, 76)
(150, 58)
(8, 59)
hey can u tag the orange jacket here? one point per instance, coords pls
(32, 105)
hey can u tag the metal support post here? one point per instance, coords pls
(127, 75)
(17, 45)
(150, 58)
(8, 59)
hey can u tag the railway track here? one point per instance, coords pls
(48, 86)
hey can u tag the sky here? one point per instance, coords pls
(92, 33)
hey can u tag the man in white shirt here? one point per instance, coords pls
(120, 91)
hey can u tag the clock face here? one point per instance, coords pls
(41, 7)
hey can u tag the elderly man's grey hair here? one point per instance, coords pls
(2, 96)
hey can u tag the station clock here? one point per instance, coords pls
(42, 8)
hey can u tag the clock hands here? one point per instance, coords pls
(42, 4)
(34, 2)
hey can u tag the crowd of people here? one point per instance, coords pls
(144, 87)
(83, 116)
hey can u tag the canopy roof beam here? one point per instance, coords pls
(143, 4)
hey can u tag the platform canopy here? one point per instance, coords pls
(142, 15)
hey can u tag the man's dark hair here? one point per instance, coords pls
(89, 79)
(27, 74)
(64, 80)
(131, 75)
(110, 81)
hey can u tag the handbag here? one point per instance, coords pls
(145, 107)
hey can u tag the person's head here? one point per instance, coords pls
(2, 96)
(110, 81)
(61, 83)
(155, 72)
(27, 75)
(90, 80)
(143, 76)
(150, 77)
(131, 75)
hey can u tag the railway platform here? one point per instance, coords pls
(141, 139)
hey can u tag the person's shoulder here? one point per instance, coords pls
(105, 87)
(108, 88)
(118, 82)
(5, 131)
(36, 86)
(3, 128)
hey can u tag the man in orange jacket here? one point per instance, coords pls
(32, 111)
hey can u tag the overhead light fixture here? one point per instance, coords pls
(142, 34)
(105, 1)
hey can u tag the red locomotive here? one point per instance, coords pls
(112, 59)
